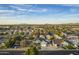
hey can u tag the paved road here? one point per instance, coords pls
(11, 52)
(62, 52)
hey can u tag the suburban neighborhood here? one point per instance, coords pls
(47, 37)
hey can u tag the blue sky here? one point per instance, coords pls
(39, 13)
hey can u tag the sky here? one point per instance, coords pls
(39, 13)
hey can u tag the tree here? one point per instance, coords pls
(32, 51)
(9, 43)
(70, 46)
(31, 37)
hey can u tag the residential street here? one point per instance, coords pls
(57, 52)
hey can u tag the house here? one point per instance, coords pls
(43, 44)
(64, 34)
(58, 42)
(16, 46)
(64, 43)
(28, 42)
(73, 39)
(2, 44)
(48, 37)
(42, 36)
(57, 37)
(37, 41)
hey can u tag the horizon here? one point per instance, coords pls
(41, 24)
(39, 13)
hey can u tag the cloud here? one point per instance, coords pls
(17, 8)
(21, 7)
(7, 11)
(71, 5)
(28, 8)
(37, 10)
